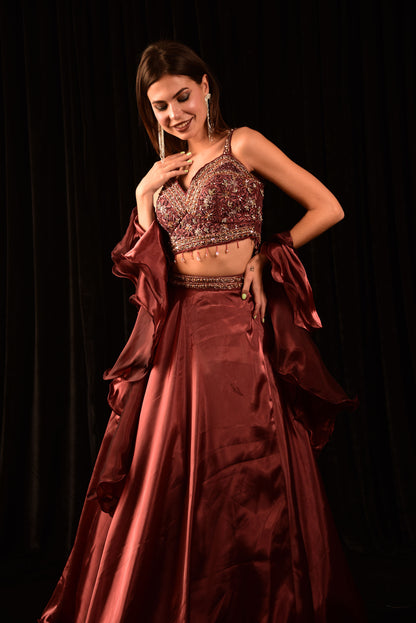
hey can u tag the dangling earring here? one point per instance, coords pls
(161, 140)
(209, 122)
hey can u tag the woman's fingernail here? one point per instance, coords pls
(190, 160)
(244, 296)
(182, 152)
(186, 171)
(255, 316)
(263, 319)
(189, 153)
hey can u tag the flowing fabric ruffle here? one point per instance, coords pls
(214, 509)
(139, 256)
(315, 395)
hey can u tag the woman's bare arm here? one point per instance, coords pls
(259, 154)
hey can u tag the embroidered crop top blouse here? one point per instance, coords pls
(222, 204)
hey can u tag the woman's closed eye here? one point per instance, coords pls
(183, 97)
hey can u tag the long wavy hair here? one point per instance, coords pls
(175, 59)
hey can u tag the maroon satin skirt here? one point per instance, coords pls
(208, 505)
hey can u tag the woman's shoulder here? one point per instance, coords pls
(246, 144)
(245, 134)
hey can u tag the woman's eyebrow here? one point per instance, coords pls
(176, 95)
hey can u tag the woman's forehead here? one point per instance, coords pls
(168, 86)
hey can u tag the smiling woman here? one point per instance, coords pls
(206, 503)
(183, 112)
(176, 63)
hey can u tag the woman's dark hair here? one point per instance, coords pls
(175, 59)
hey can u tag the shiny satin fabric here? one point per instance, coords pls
(206, 504)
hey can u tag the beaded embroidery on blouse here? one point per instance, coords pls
(222, 204)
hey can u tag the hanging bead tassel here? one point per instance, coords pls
(198, 257)
(216, 251)
(227, 250)
(183, 257)
(238, 246)
(206, 252)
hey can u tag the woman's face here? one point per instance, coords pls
(179, 105)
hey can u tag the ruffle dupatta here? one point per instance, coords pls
(315, 396)
(140, 257)
(310, 393)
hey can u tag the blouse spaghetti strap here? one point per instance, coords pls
(227, 146)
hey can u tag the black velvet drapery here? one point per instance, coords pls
(332, 83)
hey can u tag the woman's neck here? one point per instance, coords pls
(202, 144)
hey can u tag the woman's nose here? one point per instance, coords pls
(173, 110)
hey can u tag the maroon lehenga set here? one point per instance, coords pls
(206, 504)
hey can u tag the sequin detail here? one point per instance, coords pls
(231, 282)
(222, 204)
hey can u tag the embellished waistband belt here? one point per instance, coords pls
(232, 282)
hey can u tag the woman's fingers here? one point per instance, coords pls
(263, 306)
(175, 165)
(253, 280)
(175, 173)
(162, 171)
(256, 311)
(248, 278)
(176, 161)
(259, 301)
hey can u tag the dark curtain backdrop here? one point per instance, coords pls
(332, 83)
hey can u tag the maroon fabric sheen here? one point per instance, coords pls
(138, 257)
(287, 269)
(314, 394)
(215, 508)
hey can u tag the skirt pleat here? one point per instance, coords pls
(222, 516)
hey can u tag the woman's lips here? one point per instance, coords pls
(183, 127)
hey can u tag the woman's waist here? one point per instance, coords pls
(215, 261)
(192, 236)
(206, 282)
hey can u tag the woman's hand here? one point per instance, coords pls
(161, 172)
(253, 279)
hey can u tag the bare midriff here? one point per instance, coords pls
(221, 260)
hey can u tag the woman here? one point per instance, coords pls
(206, 503)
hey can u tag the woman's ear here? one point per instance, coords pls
(205, 84)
